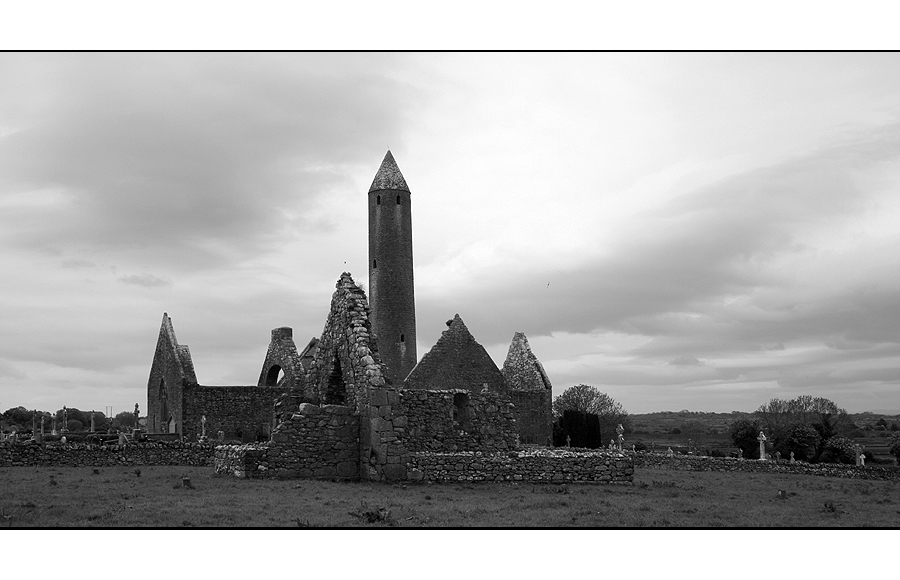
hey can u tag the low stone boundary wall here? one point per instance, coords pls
(538, 466)
(88, 455)
(702, 463)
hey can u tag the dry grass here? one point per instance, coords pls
(117, 497)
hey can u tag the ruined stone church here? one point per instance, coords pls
(363, 371)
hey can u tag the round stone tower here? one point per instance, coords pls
(391, 296)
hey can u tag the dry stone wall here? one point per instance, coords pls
(458, 420)
(544, 466)
(85, 455)
(654, 460)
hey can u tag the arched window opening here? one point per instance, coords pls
(461, 410)
(402, 338)
(336, 390)
(274, 376)
(163, 402)
(398, 200)
(377, 200)
(375, 263)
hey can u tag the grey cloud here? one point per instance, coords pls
(77, 264)
(145, 280)
(177, 152)
(685, 361)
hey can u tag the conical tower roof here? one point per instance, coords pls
(522, 370)
(389, 176)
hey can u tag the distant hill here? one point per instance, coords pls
(894, 413)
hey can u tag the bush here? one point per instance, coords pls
(640, 446)
(717, 453)
(839, 449)
(744, 434)
(895, 447)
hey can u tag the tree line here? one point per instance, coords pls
(19, 419)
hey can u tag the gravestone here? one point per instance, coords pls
(221, 435)
(792, 457)
(778, 457)
(619, 435)
(568, 441)
(670, 453)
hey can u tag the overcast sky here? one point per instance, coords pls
(683, 231)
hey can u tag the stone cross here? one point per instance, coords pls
(619, 431)
(203, 425)
(762, 446)
(136, 415)
(65, 425)
(792, 457)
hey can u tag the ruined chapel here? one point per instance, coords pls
(358, 392)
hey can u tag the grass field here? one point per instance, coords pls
(117, 497)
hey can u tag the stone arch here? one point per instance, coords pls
(274, 375)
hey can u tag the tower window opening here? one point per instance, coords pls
(374, 263)
(377, 200)
(402, 339)
(398, 200)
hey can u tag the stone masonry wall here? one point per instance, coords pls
(84, 455)
(246, 412)
(534, 416)
(544, 466)
(346, 361)
(383, 435)
(435, 422)
(315, 442)
(653, 460)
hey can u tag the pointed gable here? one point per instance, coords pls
(388, 176)
(178, 355)
(456, 361)
(522, 370)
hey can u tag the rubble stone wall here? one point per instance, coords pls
(654, 460)
(245, 412)
(545, 466)
(457, 420)
(315, 442)
(86, 455)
